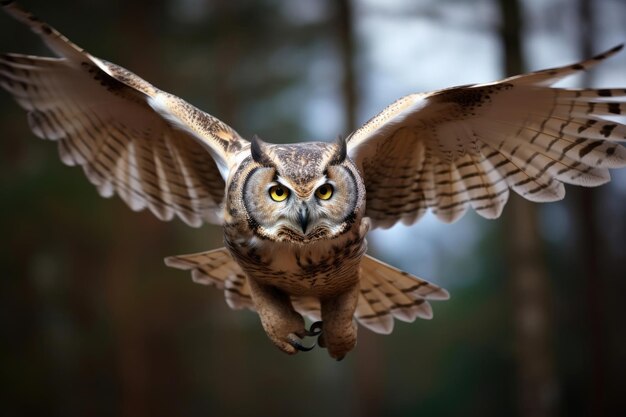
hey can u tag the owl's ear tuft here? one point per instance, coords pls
(340, 152)
(258, 149)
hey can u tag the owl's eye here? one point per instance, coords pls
(324, 192)
(278, 193)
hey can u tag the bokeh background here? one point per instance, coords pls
(93, 324)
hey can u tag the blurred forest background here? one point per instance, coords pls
(93, 323)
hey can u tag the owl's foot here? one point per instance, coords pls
(287, 332)
(295, 338)
(282, 324)
(287, 338)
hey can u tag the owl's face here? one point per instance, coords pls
(301, 193)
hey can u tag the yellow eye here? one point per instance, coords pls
(324, 192)
(279, 193)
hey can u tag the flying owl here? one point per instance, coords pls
(295, 217)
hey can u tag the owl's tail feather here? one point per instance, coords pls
(216, 268)
(388, 293)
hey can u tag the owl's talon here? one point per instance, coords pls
(315, 329)
(299, 346)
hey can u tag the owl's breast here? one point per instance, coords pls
(321, 268)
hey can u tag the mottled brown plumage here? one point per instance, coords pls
(295, 217)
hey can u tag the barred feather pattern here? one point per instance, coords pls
(124, 150)
(218, 269)
(466, 147)
(448, 151)
(388, 293)
(151, 148)
(385, 292)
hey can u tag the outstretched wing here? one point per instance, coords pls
(467, 146)
(151, 148)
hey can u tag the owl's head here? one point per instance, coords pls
(300, 193)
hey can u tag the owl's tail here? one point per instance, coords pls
(386, 292)
(217, 268)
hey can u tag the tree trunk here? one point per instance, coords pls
(345, 19)
(530, 291)
(590, 249)
(142, 384)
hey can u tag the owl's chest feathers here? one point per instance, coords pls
(319, 268)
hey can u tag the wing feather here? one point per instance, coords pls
(149, 147)
(467, 146)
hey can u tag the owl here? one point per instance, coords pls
(295, 217)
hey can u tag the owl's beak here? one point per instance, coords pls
(303, 218)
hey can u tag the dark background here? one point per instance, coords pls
(93, 323)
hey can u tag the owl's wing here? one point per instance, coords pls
(467, 146)
(151, 148)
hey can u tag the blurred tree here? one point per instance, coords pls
(592, 248)
(94, 324)
(529, 283)
(590, 245)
